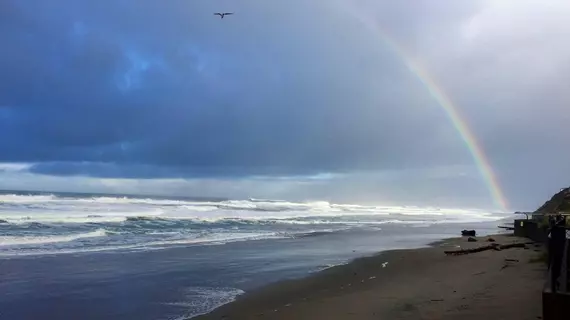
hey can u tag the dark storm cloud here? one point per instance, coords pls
(92, 87)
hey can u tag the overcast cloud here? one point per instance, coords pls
(285, 99)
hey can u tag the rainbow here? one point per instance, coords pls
(451, 110)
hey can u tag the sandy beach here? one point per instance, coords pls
(408, 284)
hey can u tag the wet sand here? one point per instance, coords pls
(408, 284)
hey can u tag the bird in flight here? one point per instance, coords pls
(222, 14)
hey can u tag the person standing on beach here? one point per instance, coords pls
(556, 246)
(551, 224)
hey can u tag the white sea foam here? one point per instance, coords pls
(252, 204)
(202, 300)
(49, 208)
(16, 198)
(213, 239)
(219, 238)
(27, 240)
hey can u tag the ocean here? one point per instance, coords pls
(88, 256)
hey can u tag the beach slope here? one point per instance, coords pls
(408, 284)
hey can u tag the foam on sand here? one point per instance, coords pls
(202, 300)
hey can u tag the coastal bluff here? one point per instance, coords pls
(559, 203)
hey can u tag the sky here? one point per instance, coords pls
(297, 100)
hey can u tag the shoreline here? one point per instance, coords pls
(402, 284)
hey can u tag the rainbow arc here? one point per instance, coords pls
(451, 110)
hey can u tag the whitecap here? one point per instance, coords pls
(27, 240)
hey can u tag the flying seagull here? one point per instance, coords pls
(222, 14)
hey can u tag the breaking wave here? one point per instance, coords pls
(26, 240)
(53, 223)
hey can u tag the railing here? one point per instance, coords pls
(527, 214)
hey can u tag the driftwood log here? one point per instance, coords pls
(494, 246)
(472, 250)
(514, 245)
